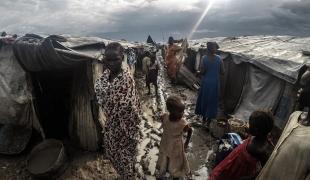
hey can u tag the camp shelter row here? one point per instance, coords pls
(261, 72)
(47, 83)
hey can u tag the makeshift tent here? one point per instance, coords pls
(54, 78)
(261, 72)
(61, 87)
(15, 106)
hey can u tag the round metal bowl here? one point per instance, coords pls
(47, 159)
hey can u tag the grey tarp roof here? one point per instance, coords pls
(281, 56)
(273, 66)
(36, 53)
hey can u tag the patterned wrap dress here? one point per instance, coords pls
(119, 100)
(172, 155)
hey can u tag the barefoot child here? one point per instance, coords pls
(172, 157)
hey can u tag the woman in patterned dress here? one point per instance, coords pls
(116, 94)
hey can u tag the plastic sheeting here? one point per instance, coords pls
(36, 53)
(14, 138)
(286, 105)
(262, 91)
(40, 54)
(233, 83)
(281, 56)
(14, 94)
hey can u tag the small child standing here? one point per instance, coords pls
(172, 157)
(152, 74)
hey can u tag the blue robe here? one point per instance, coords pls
(208, 97)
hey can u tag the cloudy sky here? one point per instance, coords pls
(135, 19)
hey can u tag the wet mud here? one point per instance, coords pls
(200, 147)
(90, 165)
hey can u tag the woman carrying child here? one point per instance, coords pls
(172, 157)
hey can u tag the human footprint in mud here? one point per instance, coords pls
(116, 94)
(172, 157)
(152, 69)
(245, 162)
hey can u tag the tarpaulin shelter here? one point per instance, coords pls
(15, 109)
(51, 79)
(262, 72)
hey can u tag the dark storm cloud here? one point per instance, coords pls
(292, 18)
(259, 18)
(294, 15)
(135, 19)
(298, 8)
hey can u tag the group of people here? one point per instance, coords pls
(257, 159)
(116, 94)
(210, 72)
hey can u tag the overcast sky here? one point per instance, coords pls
(135, 19)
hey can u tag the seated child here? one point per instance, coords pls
(172, 157)
(245, 161)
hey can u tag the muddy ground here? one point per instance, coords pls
(89, 165)
(201, 142)
(81, 165)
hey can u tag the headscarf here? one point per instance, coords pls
(211, 45)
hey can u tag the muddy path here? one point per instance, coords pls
(201, 142)
(81, 165)
(93, 165)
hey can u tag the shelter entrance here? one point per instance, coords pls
(52, 91)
